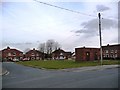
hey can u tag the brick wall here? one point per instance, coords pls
(87, 54)
(111, 51)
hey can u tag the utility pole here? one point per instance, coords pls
(100, 37)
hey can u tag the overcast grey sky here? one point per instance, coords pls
(27, 23)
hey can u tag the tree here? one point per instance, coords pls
(56, 45)
(41, 47)
(48, 47)
(51, 45)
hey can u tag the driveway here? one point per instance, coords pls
(27, 77)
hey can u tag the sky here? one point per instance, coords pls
(27, 23)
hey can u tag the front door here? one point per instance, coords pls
(96, 57)
(87, 56)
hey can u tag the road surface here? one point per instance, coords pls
(27, 77)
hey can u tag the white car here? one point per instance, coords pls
(26, 59)
(15, 59)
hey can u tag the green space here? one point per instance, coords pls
(62, 64)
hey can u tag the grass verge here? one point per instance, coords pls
(57, 64)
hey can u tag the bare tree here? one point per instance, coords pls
(41, 47)
(56, 45)
(50, 46)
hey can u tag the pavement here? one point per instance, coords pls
(3, 71)
(80, 69)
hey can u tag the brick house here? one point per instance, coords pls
(11, 54)
(111, 51)
(87, 54)
(68, 55)
(60, 54)
(33, 55)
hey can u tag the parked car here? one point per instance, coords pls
(15, 59)
(25, 59)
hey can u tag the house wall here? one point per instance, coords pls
(11, 54)
(87, 54)
(34, 55)
(56, 55)
(111, 51)
(68, 55)
(79, 54)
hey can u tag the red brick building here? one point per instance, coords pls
(33, 55)
(87, 54)
(61, 54)
(11, 54)
(111, 51)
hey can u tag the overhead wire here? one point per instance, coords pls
(68, 9)
(65, 8)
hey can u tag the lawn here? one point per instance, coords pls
(57, 64)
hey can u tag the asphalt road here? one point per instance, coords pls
(27, 77)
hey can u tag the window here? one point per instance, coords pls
(115, 51)
(33, 58)
(106, 51)
(115, 55)
(112, 51)
(37, 58)
(9, 54)
(107, 55)
(61, 53)
(87, 53)
(37, 54)
(13, 53)
(111, 56)
(104, 55)
(20, 54)
(32, 54)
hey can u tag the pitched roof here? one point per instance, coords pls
(68, 53)
(11, 50)
(36, 51)
(58, 50)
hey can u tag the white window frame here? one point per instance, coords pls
(14, 53)
(111, 51)
(106, 51)
(9, 54)
(32, 54)
(115, 51)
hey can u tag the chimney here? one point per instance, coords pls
(8, 47)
